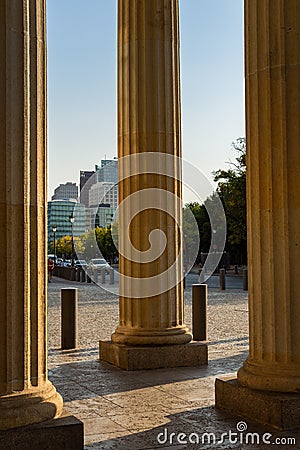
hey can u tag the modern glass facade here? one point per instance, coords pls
(102, 216)
(59, 213)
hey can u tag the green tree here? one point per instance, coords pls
(202, 219)
(64, 246)
(232, 191)
(106, 244)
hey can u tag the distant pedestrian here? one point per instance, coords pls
(50, 269)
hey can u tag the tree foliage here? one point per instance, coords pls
(232, 191)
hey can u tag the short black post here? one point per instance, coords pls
(236, 270)
(222, 280)
(96, 273)
(73, 274)
(69, 312)
(83, 276)
(199, 311)
(88, 276)
(245, 279)
(111, 276)
(78, 273)
(103, 275)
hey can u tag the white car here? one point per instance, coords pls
(98, 263)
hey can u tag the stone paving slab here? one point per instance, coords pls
(129, 410)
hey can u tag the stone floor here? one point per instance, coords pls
(141, 410)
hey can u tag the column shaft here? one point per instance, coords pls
(151, 297)
(273, 198)
(26, 395)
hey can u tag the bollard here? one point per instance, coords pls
(103, 276)
(88, 276)
(72, 274)
(96, 273)
(245, 279)
(236, 270)
(199, 315)
(69, 308)
(78, 270)
(83, 276)
(222, 280)
(111, 276)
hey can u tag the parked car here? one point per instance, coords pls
(81, 264)
(98, 263)
(67, 263)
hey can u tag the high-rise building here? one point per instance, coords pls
(59, 213)
(102, 216)
(108, 170)
(103, 192)
(99, 190)
(86, 181)
(66, 191)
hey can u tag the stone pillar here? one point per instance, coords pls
(149, 143)
(273, 195)
(26, 395)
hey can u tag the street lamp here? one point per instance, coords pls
(72, 220)
(54, 229)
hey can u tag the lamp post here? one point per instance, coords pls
(54, 229)
(72, 220)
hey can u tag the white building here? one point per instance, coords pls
(103, 192)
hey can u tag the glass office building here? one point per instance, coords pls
(59, 213)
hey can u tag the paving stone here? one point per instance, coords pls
(126, 410)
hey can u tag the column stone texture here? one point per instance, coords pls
(26, 395)
(149, 122)
(272, 34)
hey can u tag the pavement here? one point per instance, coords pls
(149, 409)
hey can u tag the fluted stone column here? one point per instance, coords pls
(26, 395)
(273, 140)
(149, 143)
(149, 121)
(273, 194)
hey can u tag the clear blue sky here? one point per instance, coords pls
(82, 84)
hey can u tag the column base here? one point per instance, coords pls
(30, 406)
(63, 433)
(153, 357)
(279, 410)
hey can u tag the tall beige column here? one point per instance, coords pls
(149, 121)
(273, 142)
(273, 201)
(26, 395)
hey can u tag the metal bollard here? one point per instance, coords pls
(95, 276)
(222, 280)
(88, 276)
(111, 276)
(199, 308)
(83, 276)
(236, 270)
(73, 273)
(245, 279)
(69, 313)
(103, 276)
(78, 270)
